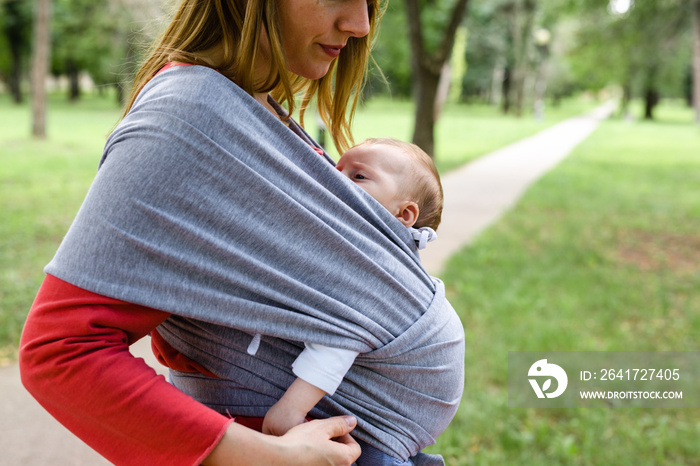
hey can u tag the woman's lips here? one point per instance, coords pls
(332, 50)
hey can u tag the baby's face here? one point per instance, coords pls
(381, 170)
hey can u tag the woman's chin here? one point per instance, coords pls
(312, 73)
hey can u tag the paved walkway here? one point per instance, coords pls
(475, 196)
(478, 193)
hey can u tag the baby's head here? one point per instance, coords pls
(399, 175)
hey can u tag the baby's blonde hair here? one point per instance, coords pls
(427, 189)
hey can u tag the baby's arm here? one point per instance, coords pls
(319, 370)
(291, 409)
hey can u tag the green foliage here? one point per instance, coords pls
(487, 48)
(89, 35)
(15, 28)
(435, 16)
(15, 35)
(602, 254)
(505, 62)
(392, 51)
(392, 57)
(646, 48)
(645, 51)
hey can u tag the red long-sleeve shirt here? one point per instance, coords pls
(75, 360)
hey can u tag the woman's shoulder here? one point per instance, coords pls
(199, 102)
(200, 96)
(181, 84)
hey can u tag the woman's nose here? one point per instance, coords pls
(355, 19)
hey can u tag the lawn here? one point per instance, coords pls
(602, 254)
(42, 183)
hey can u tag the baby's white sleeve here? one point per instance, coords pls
(322, 366)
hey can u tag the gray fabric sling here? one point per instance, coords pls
(208, 207)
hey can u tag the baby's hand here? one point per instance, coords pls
(291, 409)
(281, 417)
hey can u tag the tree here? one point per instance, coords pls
(644, 49)
(522, 25)
(486, 53)
(390, 70)
(696, 59)
(86, 39)
(430, 51)
(16, 25)
(99, 37)
(501, 54)
(40, 65)
(129, 41)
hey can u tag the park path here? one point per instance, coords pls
(478, 193)
(475, 196)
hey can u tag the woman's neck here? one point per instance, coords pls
(214, 55)
(263, 98)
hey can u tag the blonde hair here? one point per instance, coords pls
(235, 27)
(427, 189)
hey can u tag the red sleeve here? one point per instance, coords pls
(75, 360)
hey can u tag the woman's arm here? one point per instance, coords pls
(74, 359)
(319, 370)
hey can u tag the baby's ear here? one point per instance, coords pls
(408, 213)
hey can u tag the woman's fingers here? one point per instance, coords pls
(341, 426)
(330, 439)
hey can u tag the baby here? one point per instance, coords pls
(400, 176)
(403, 179)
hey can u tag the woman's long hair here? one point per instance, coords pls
(235, 28)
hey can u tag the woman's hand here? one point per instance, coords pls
(322, 442)
(318, 442)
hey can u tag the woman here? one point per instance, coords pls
(213, 218)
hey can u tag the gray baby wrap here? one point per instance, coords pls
(210, 208)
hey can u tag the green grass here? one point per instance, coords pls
(602, 254)
(42, 184)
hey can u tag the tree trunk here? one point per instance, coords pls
(522, 16)
(119, 86)
(40, 66)
(505, 93)
(443, 89)
(696, 60)
(426, 69)
(517, 77)
(688, 86)
(74, 80)
(626, 99)
(15, 78)
(497, 77)
(425, 86)
(651, 98)
(14, 29)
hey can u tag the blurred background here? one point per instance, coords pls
(512, 54)
(602, 254)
